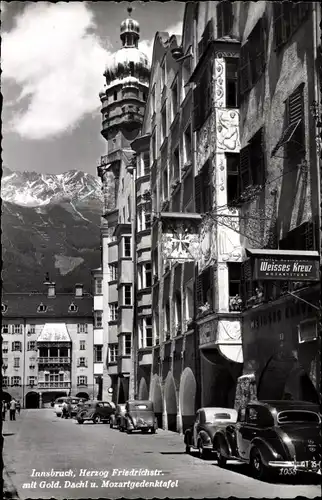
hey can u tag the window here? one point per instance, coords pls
(156, 328)
(186, 72)
(15, 380)
(202, 98)
(98, 286)
(17, 346)
(72, 308)
(163, 123)
(174, 99)
(98, 353)
(16, 362)
(252, 57)
(17, 329)
(163, 75)
(127, 250)
(203, 189)
(127, 297)
(300, 238)
(82, 362)
(232, 162)
(234, 278)
(31, 380)
(178, 310)
(288, 17)
(113, 311)
(297, 416)
(145, 275)
(82, 380)
(113, 353)
(252, 165)
(31, 346)
(5, 381)
(143, 220)
(146, 339)
(127, 344)
(204, 287)
(32, 329)
(165, 184)
(293, 136)
(82, 345)
(113, 272)
(167, 320)
(251, 415)
(4, 363)
(189, 302)
(98, 319)
(115, 96)
(187, 145)
(5, 344)
(145, 163)
(4, 308)
(232, 82)
(224, 12)
(175, 164)
(5, 329)
(82, 328)
(41, 308)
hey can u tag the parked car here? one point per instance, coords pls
(207, 422)
(97, 411)
(115, 419)
(272, 435)
(139, 416)
(59, 404)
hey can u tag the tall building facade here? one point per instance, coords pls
(47, 346)
(123, 102)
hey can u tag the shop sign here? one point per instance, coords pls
(286, 269)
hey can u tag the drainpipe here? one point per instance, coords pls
(133, 380)
(24, 363)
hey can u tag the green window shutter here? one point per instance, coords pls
(244, 168)
(198, 194)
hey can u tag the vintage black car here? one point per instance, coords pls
(207, 422)
(272, 435)
(115, 419)
(139, 416)
(96, 411)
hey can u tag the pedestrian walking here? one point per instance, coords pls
(13, 409)
(18, 407)
(64, 410)
(4, 409)
(69, 409)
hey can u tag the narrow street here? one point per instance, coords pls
(39, 442)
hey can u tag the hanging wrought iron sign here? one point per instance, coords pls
(180, 240)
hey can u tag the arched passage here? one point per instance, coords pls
(143, 389)
(6, 397)
(156, 397)
(82, 395)
(32, 399)
(187, 397)
(171, 402)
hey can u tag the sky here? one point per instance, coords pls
(53, 57)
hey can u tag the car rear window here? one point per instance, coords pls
(291, 416)
(222, 416)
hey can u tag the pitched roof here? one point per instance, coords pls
(53, 332)
(26, 305)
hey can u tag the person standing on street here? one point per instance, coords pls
(64, 410)
(13, 409)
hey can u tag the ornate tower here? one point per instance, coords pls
(123, 101)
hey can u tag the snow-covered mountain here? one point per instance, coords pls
(32, 189)
(50, 223)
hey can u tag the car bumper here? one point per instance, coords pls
(305, 466)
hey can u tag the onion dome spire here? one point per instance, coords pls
(130, 31)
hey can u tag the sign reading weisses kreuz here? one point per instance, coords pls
(292, 269)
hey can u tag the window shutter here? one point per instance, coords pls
(295, 106)
(262, 172)
(208, 93)
(244, 70)
(246, 280)
(199, 291)
(196, 108)
(244, 168)
(198, 194)
(219, 12)
(12, 346)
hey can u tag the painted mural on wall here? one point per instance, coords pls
(227, 126)
(208, 332)
(206, 141)
(207, 244)
(246, 391)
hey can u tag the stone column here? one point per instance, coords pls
(40, 400)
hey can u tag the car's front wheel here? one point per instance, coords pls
(96, 419)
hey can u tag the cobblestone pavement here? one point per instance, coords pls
(39, 442)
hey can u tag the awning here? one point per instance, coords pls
(54, 332)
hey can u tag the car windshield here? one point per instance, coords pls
(59, 401)
(292, 416)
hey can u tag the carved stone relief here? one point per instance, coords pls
(208, 244)
(208, 332)
(219, 80)
(227, 127)
(229, 331)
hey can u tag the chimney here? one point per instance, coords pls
(51, 288)
(79, 290)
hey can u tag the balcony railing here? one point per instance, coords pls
(54, 361)
(54, 385)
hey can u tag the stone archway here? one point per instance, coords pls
(156, 397)
(83, 395)
(6, 397)
(32, 399)
(143, 389)
(187, 398)
(170, 398)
